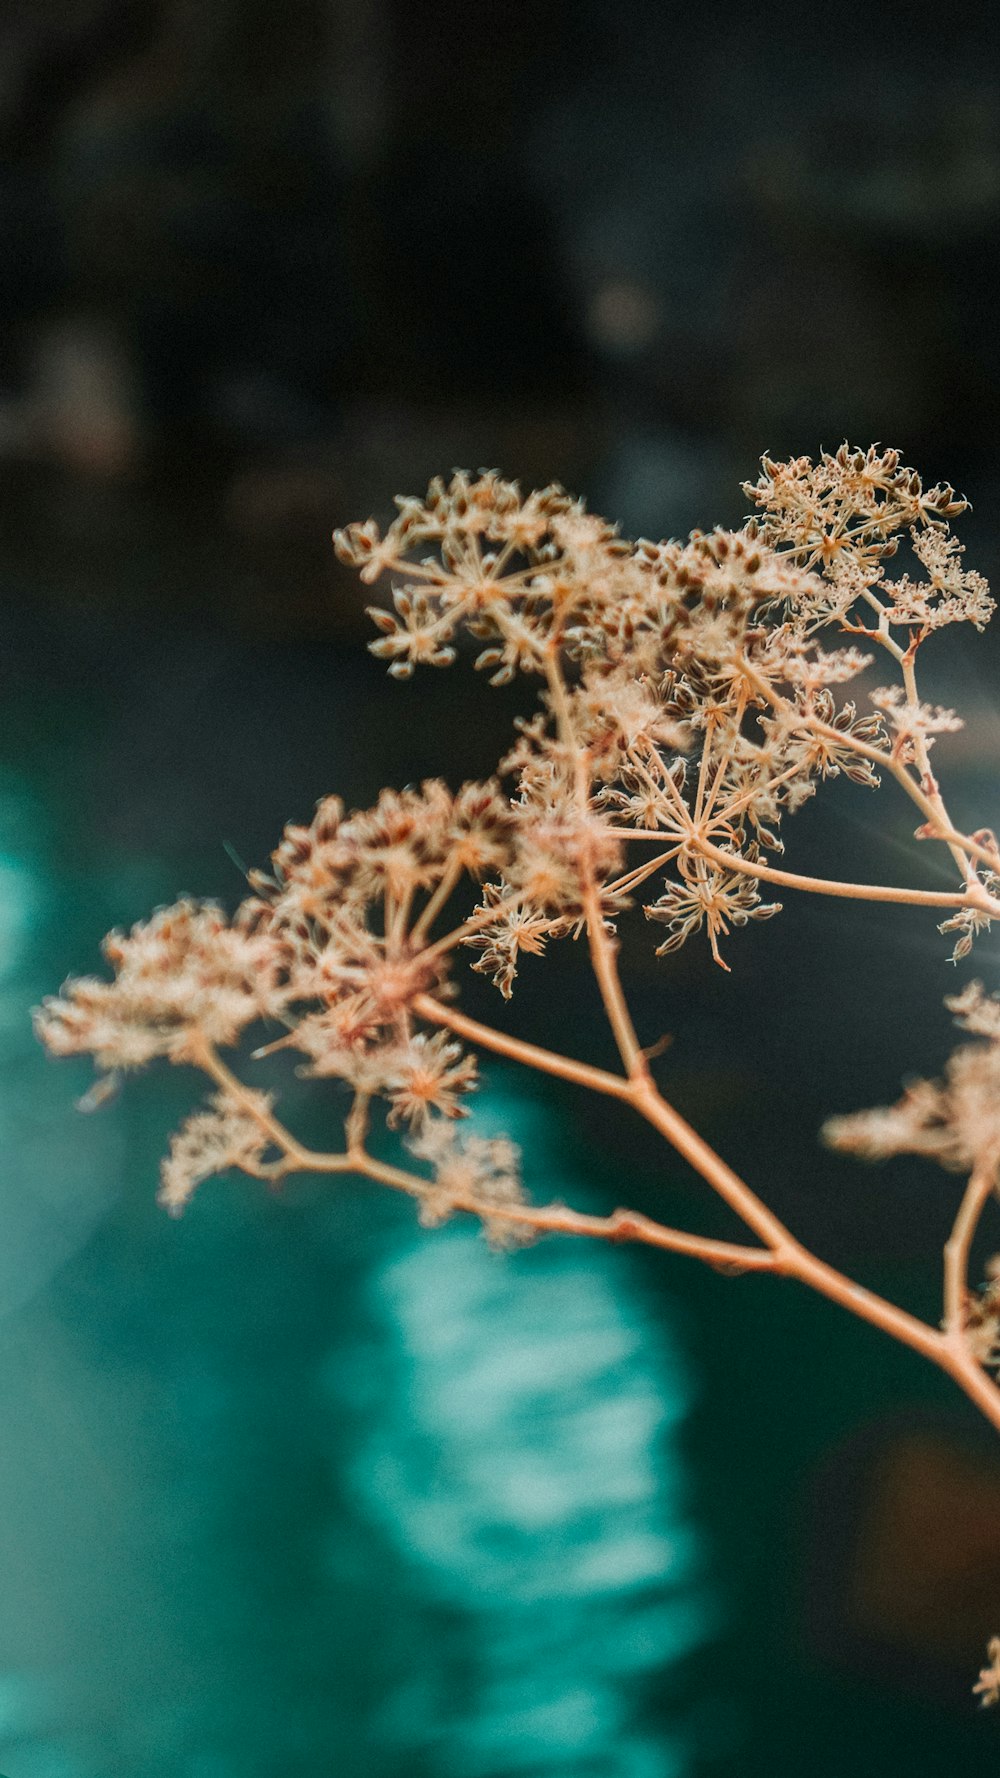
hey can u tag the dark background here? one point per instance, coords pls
(262, 267)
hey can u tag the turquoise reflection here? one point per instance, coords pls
(523, 1460)
(53, 1187)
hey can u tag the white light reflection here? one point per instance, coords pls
(521, 1454)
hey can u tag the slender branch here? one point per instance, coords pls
(204, 1055)
(787, 1255)
(781, 1254)
(956, 1252)
(603, 948)
(945, 898)
(928, 779)
(603, 956)
(641, 1094)
(934, 815)
(546, 1061)
(792, 1259)
(974, 896)
(728, 810)
(706, 749)
(633, 878)
(931, 898)
(682, 813)
(475, 922)
(621, 1225)
(651, 1105)
(449, 881)
(357, 1121)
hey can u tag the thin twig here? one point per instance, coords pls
(977, 1193)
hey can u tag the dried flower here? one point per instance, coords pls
(479, 1170)
(187, 969)
(956, 1121)
(228, 1135)
(988, 1684)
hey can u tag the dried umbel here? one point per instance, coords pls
(690, 695)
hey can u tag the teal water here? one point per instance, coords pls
(520, 1454)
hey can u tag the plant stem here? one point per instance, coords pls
(204, 1055)
(603, 948)
(516, 1050)
(788, 1256)
(780, 1254)
(956, 1253)
(928, 898)
(621, 1225)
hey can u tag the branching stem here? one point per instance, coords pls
(767, 873)
(780, 1253)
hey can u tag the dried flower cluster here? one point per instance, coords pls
(955, 1122)
(690, 695)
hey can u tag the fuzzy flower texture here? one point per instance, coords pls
(689, 695)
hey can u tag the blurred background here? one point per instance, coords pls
(289, 1489)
